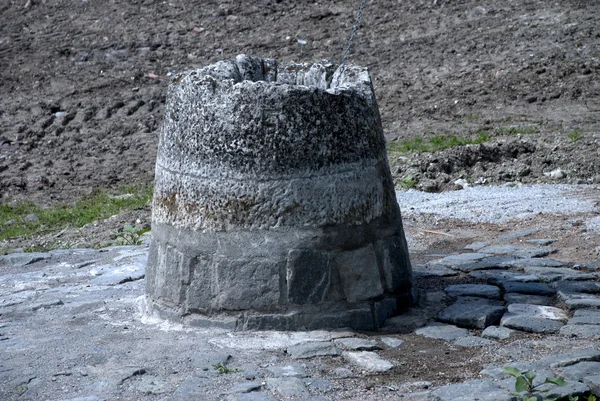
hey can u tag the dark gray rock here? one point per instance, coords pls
(527, 288)
(453, 261)
(23, 259)
(473, 341)
(540, 241)
(534, 252)
(564, 288)
(480, 389)
(571, 358)
(207, 360)
(582, 331)
(433, 270)
(533, 262)
(320, 385)
(580, 370)
(392, 342)
(534, 318)
(584, 316)
(288, 371)
(473, 315)
(308, 276)
(495, 277)
(288, 387)
(499, 249)
(557, 273)
(492, 262)
(357, 344)
(593, 382)
(515, 298)
(497, 333)
(254, 396)
(313, 349)
(475, 290)
(582, 301)
(513, 235)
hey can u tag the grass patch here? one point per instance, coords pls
(525, 130)
(14, 220)
(435, 143)
(574, 135)
(407, 182)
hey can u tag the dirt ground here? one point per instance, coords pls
(83, 85)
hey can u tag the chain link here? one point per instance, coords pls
(354, 29)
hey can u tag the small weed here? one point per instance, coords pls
(574, 135)
(435, 143)
(588, 398)
(524, 384)
(407, 182)
(223, 370)
(131, 235)
(525, 130)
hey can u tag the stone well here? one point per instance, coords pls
(274, 207)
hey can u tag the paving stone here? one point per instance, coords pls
(513, 235)
(558, 273)
(317, 398)
(246, 387)
(533, 262)
(480, 389)
(492, 262)
(593, 382)
(473, 341)
(515, 298)
(288, 387)
(320, 385)
(207, 360)
(497, 333)
(540, 241)
(432, 270)
(23, 259)
(499, 249)
(527, 288)
(534, 252)
(585, 316)
(342, 373)
(496, 371)
(474, 315)
(368, 361)
(357, 344)
(531, 319)
(392, 342)
(254, 396)
(580, 370)
(581, 330)
(582, 301)
(288, 371)
(475, 246)
(475, 290)
(313, 349)
(190, 388)
(455, 260)
(495, 277)
(564, 288)
(539, 311)
(571, 358)
(442, 331)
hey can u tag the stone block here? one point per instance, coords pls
(480, 389)
(359, 273)
(472, 315)
(528, 288)
(308, 276)
(474, 290)
(368, 361)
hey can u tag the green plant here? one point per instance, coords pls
(574, 135)
(588, 398)
(222, 369)
(524, 384)
(407, 182)
(435, 143)
(131, 235)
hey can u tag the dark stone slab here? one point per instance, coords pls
(313, 349)
(581, 330)
(472, 315)
(527, 288)
(475, 290)
(531, 325)
(585, 316)
(580, 370)
(515, 298)
(480, 389)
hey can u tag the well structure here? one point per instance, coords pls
(274, 206)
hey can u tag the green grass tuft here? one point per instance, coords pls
(435, 143)
(98, 206)
(574, 135)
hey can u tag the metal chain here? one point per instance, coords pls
(354, 29)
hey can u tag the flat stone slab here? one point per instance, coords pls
(499, 249)
(540, 241)
(593, 382)
(433, 270)
(480, 389)
(392, 342)
(288, 386)
(368, 361)
(474, 290)
(516, 298)
(533, 262)
(441, 331)
(580, 370)
(288, 371)
(495, 277)
(534, 252)
(497, 333)
(473, 341)
(492, 262)
(528, 288)
(571, 358)
(534, 318)
(582, 301)
(581, 330)
(558, 273)
(513, 235)
(453, 261)
(564, 288)
(539, 311)
(357, 344)
(585, 316)
(313, 349)
(473, 315)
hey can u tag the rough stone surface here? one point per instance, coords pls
(472, 315)
(288, 387)
(288, 371)
(481, 389)
(497, 333)
(357, 344)
(313, 349)
(392, 342)
(475, 290)
(584, 316)
(579, 330)
(446, 332)
(243, 221)
(516, 298)
(580, 370)
(368, 361)
(473, 341)
(527, 288)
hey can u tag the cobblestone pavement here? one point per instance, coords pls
(73, 327)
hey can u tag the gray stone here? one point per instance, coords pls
(533, 262)
(515, 298)
(85, 398)
(207, 360)
(473, 315)
(558, 273)
(492, 262)
(593, 382)
(538, 312)
(254, 396)
(23, 259)
(582, 331)
(433, 270)
(495, 277)
(288, 371)
(540, 241)
(531, 325)
(527, 288)
(513, 235)
(442, 331)
(115, 275)
(534, 252)
(584, 316)
(475, 290)
(480, 389)
(357, 344)
(320, 385)
(499, 249)
(342, 373)
(288, 387)
(565, 288)
(190, 388)
(313, 349)
(392, 342)
(475, 246)
(580, 370)
(582, 301)
(473, 341)
(571, 358)
(368, 361)
(317, 398)
(497, 333)
(453, 261)
(246, 387)
(245, 224)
